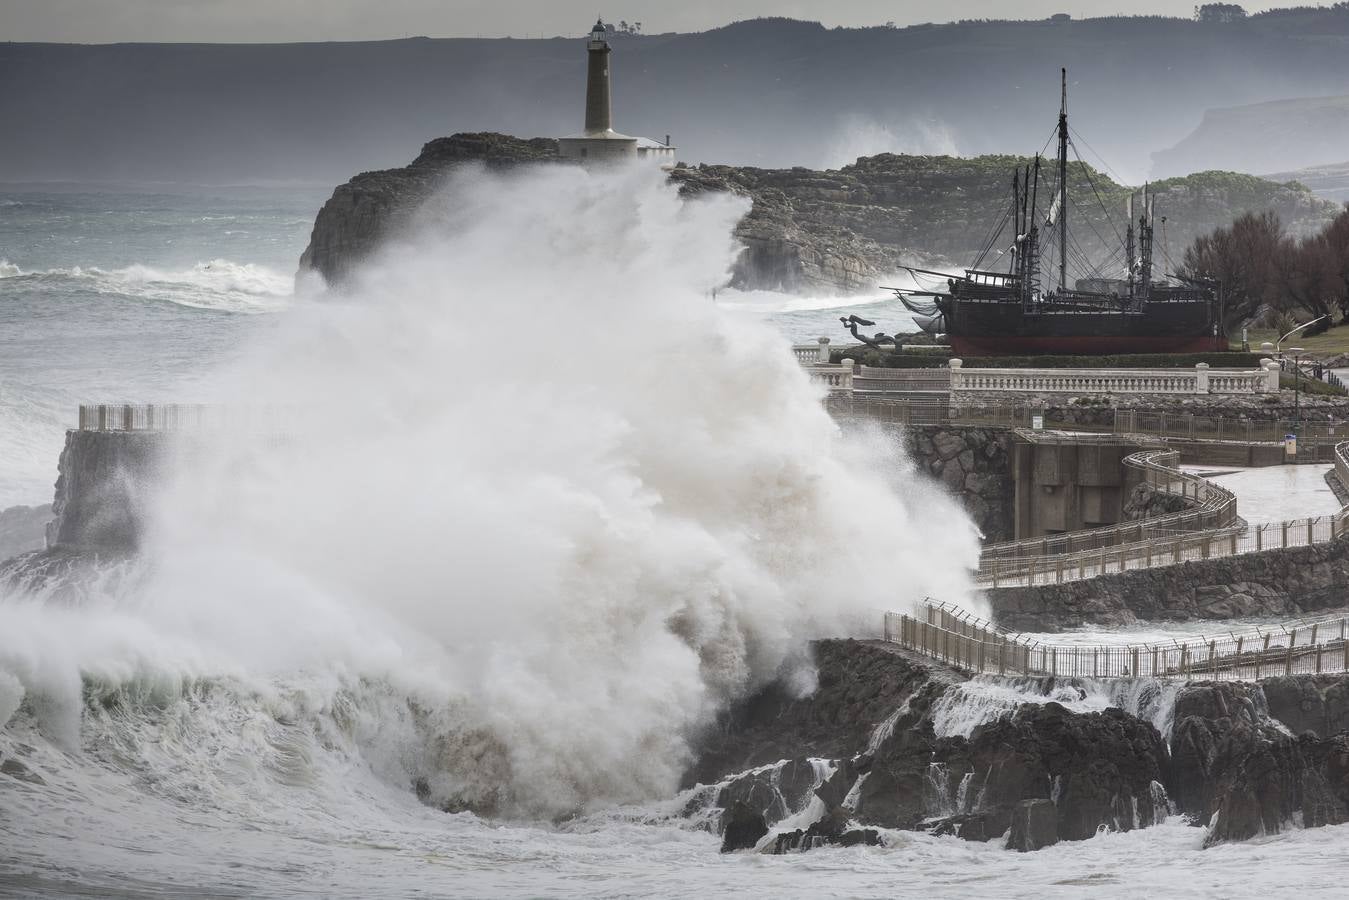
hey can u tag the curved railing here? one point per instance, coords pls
(953, 636)
(1213, 507)
(1342, 463)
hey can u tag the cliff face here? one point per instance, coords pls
(875, 746)
(825, 231)
(373, 206)
(100, 489)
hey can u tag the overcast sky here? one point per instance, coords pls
(97, 21)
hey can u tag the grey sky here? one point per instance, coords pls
(97, 21)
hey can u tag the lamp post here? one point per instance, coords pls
(1297, 372)
(1294, 331)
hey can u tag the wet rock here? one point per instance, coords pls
(1098, 768)
(742, 827)
(774, 792)
(1316, 703)
(1240, 774)
(972, 826)
(861, 683)
(1034, 825)
(832, 829)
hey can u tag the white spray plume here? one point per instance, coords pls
(863, 135)
(537, 482)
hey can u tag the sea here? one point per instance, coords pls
(554, 507)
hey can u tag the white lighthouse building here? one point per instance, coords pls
(599, 143)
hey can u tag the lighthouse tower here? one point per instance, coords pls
(599, 143)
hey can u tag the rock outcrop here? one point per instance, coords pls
(807, 230)
(1036, 774)
(1241, 774)
(374, 206)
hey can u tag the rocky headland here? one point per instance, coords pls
(824, 231)
(889, 741)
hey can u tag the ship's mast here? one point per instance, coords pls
(1063, 185)
(1129, 260)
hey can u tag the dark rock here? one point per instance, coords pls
(861, 683)
(774, 792)
(828, 830)
(1316, 703)
(1034, 825)
(741, 828)
(970, 827)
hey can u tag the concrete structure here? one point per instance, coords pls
(1068, 483)
(599, 144)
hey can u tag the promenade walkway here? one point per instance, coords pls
(965, 642)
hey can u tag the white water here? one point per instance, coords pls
(988, 698)
(215, 284)
(519, 571)
(522, 569)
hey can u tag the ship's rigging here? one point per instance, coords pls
(1030, 267)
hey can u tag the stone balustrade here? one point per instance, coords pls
(836, 379)
(1200, 380)
(816, 354)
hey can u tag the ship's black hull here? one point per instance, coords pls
(992, 328)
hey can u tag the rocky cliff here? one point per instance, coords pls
(891, 741)
(824, 231)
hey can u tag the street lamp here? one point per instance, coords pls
(1297, 371)
(1295, 331)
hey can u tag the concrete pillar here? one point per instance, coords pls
(1271, 375)
(955, 365)
(1201, 378)
(1267, 348)
(846, 385)
(823, 358)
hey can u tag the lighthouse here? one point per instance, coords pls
(598, 143)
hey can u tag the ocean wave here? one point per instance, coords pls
(216, 284)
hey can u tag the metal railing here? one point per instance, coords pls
(1214, 508)
(187, 417)
(963, 641)
(1342, 463)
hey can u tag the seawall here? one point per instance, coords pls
(1283, 582)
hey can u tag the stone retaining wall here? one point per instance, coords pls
(1293, 582)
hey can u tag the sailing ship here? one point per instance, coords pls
(1020, 311)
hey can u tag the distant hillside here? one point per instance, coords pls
(1264, 137)
(769, 93)
(834, 230)
(1329, 182)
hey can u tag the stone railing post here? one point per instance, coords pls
(845, 380)
(823, 358)
(1271, 375)
(1201, 378)
(957, 374)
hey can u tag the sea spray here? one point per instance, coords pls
(539, 500)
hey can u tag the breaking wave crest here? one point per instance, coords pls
(518, 575)
(216, 284)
